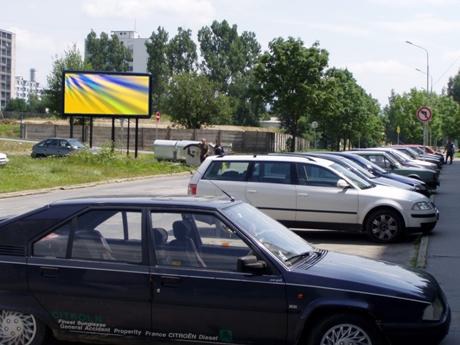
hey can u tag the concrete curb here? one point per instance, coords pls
(84, 185)
(422, 252)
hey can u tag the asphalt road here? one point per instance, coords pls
(351, 243)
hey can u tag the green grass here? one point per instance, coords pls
(9, 129)
(25, 173)
(15, 147)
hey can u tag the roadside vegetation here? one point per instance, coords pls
(9, 129)
(26, 173)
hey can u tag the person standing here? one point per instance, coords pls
(204, 147)
(449, 150)
(219, 149)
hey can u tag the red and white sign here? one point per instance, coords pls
(424, 114)
(157, 116)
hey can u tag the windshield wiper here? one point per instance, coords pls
(299, 256)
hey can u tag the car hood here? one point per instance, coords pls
(393, 183)
(393, 193)
(359, 274)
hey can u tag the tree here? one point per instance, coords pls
(453, 87)
(194, 102)
(157, 64)
(181, 52)
(290, 77)
(16, 104)
(72, 60)
(106, 53)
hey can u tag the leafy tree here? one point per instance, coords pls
(106, 53)
(290, 77)
(194, 102)
(72, 60)
(453, 87)
(181, 52)
(157, 64)
(17, 104)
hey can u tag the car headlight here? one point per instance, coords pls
(422, 206)
(434, 311)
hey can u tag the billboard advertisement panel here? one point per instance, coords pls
(106, 94)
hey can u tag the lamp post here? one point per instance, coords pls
(427, 85)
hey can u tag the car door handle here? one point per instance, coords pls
(49, 272)
(252, 191)
(170, 281)
(302, 194)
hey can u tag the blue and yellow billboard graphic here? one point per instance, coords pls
(106, 94)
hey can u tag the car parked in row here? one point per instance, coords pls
(3, 159)
(56, 147)
(305, 192)
(387, 161)
(416, 155)
(181, 270)
(405, 159)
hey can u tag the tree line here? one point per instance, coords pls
(227, 79)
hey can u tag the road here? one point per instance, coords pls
(356, 244)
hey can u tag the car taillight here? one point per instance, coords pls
(192, 189)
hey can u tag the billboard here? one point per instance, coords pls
(106, 94)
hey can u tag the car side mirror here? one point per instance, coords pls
(343, 184)
(250, 264)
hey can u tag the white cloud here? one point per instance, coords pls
(197, 10)
(417, 3)
(382, 67)
(341, 29)
(421, 24)
(31, 40)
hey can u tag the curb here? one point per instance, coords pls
(85, 185)
(422, 252)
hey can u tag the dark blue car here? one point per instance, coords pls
(152, 270)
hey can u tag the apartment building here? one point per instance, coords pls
(7, 67)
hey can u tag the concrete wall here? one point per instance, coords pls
(239, 140)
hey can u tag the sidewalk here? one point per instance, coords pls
(443, 259)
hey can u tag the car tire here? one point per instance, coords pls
(19, 328)
(346, 329)
(384, 225)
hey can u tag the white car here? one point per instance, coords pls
(3, 159)
(315, 193)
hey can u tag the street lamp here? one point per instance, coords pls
(431, 78)
(427, 85)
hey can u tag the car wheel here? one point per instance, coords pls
(20, 329)
(384, 225)
(347, 329)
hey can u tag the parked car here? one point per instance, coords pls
(418, 185)
(406, 160)
(3, 159)
(150, 270)
(315, 193)
(414, 154)
(56, 147)
(386, 161)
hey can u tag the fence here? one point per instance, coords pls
(240, 140)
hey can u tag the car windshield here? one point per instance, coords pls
(360, 169)
(358, 181)
(276, 238)
(402, 157)
(75, 143)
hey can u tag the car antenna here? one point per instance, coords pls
(223, 191)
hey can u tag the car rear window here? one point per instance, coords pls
(227, 171)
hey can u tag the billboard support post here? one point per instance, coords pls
(136, 145)
(91, 132)
(71, 126)
(127, 140)
(113, 134)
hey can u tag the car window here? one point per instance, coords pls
(62, 143)
(226, 171)
(108, 235)
(54, 244)
(271, 172)
(314, 175)
(196, 240)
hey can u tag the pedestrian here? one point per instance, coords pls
(219, 149)
(449, 150)
(204, 147)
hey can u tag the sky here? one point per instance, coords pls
(368, 37)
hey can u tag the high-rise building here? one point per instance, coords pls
(136, 46)
(7, 67)
(26, 88)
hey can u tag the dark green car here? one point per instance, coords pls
(387, 162)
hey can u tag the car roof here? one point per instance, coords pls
(295, 157)
(179, 201)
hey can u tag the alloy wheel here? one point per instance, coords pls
(384, 227)
(345, 334)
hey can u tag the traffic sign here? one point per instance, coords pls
(314, 124)
(157, 116)
(424, 114)
(398, 129)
